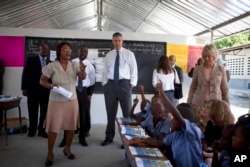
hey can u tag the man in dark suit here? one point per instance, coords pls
(172, 61)
(37, 96)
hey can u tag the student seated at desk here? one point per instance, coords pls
(185, 140)
(158, 125)
(145, 107)
(145, 112)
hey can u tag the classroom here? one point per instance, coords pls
(144, 33)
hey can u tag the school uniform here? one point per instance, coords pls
(162, 126)
(186, 146)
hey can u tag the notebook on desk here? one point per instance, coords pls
(143, 162)
(145, 151)
(133, 131)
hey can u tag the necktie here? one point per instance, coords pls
(116, 69)
(43, 62)
(79, 86)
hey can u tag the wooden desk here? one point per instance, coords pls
(7, 104)
(131, 158)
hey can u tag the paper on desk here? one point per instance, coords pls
(143, 162)
(64, 92)
(145, 151)
(134, 131)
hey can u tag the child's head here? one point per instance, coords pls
(158, 111)
(219, 113)
(241, 138)
(156, 99)
(226, 137)
(186, 111)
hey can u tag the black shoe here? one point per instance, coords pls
(70, 156)
(83, 142)
(122, 146)
(42, 134)
(106, 142)
(30, 134)
(63, 142)
(49, 162)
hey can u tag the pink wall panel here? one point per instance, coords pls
(194, 52)
(12, 50)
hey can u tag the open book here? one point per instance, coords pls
(145, 151)
(122, 119)
(134, 131)
(143, 162)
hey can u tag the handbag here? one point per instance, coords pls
(177, 87)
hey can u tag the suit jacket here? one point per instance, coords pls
(179, 72)
(218, 85)
(31, 77)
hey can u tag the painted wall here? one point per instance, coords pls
(12, 77)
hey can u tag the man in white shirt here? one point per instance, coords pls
(84, 91)
(118, 80)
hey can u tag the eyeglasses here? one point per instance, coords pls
(66, 50)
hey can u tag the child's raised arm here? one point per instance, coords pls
(173, 110)
(131, 112)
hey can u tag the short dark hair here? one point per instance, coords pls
(117, 34)
(83, 46)
(186, 111)
(244, 121)
(58, 49)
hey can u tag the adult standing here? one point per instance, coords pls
(172, 61)
(37, 95)
(120, 75)
(84, 91)
(62, 111)
(165, 73)
(209, 82)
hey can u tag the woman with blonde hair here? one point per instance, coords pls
(220, 116)
(209, 82)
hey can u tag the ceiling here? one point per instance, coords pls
(216, 18)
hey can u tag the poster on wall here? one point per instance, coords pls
(181, 53)
(12, 50)
(194, 53)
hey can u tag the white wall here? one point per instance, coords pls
(12, 77)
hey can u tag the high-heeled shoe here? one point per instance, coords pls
(49, 162)
(70, 156)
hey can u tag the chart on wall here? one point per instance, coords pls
(181, 53)
(146, 54)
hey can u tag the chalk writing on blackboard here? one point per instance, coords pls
(146, 54)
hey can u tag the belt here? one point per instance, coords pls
(120, 80)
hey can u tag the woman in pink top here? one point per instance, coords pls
(209, 82)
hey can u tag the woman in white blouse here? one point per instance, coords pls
(166, 74)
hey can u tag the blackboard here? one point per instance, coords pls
(146, 53)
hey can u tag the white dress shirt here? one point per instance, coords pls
(127, 68)
(90, 73)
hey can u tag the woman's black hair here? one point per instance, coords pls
(58, 49)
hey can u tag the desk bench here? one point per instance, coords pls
(7, 103)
